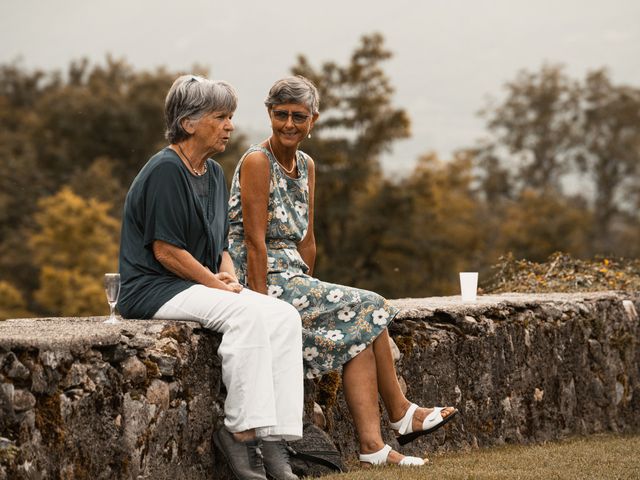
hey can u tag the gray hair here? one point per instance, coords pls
(296, 89)
(191, 97)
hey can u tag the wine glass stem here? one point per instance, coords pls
(111, 308)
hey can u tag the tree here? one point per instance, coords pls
(12, 304)
(75, 244)
(417, 234)
(610, 151)
(90, 129)
(536, 126)
(20, 185)
(102, 111)
(551, 126)
(447, 234)
(100, 182)
(358, 122)
(537, 224)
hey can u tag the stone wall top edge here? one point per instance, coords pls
(75, 332)
(417, 308)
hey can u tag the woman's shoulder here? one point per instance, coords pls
(165, 160)
(257, 148)
(162, 168)
(256, 151)
(256, 155)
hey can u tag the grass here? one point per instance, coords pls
(595, 457)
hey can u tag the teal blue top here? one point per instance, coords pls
(167, 202)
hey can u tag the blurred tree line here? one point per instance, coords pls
(71, 144)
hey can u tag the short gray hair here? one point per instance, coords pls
(296, 89)
(191, 97)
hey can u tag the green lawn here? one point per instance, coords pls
(594, 457)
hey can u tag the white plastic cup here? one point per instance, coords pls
(469, 286)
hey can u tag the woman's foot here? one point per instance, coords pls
(388, 456)
(418, 421)
(276, 460)
(243, 457)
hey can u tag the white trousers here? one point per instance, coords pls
(261, 352)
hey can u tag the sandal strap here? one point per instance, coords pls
(404, 426)
(411, 461)
(376, 458)
(433, 418)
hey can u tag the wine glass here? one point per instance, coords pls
(112, 289)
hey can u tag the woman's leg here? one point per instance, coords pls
(394, 400)
(245, 349)
(261, 352)
(360, 386)
(284, 326)
(283, 323)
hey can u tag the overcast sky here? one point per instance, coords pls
(448, 54)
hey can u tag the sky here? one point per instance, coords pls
(449, 56)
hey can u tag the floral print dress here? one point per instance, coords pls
(338, 322)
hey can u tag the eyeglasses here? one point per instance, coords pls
(283, 116)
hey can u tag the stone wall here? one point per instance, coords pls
(81, 399)
(521, 368)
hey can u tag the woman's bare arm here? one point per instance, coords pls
(184, 265)
(254, 193)
(307, 246)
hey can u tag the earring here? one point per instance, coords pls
(309, 136)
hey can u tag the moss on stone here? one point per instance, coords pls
(80, 471)
(597, 326)
(623, 343)
(405, 344)
(327, 388)
(152, 370)
(49, 420)
(8, 454)
(177, 332)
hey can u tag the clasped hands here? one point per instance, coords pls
(230, 282)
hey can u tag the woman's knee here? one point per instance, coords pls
(290, 319)
(248, 322)
(364, 359)
(383, 337)
(290, 312)
(283, 311)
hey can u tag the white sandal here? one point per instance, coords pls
(380, 458)
(433, 422)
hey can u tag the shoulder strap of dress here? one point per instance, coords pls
(305, 162)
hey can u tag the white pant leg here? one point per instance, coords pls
(285, 329)
(261, 355)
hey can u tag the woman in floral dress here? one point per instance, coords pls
(272, 244)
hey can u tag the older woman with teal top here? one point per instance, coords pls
(272, 244)
(175, 265)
